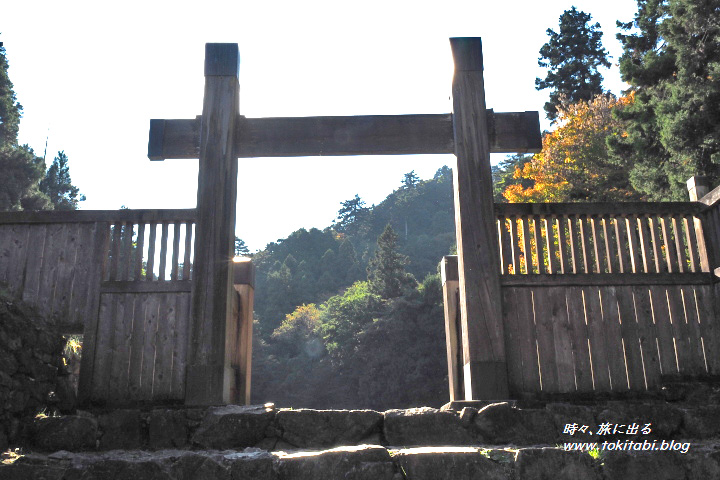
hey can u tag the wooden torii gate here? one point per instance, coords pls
(221, 135)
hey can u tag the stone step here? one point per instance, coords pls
(371, 462)
(268, 428)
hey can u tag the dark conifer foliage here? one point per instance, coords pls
(671, 60)
(572, 56)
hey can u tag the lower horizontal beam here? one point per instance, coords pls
(592, 279)
(146, 286)
(340, 136)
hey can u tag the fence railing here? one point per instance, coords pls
(601, 297)
(563, 238)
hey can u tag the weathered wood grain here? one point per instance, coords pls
(214, 242)
(647, 336)
(597, 338)
(544, 309)
(513, 342)
(481, 303)
(450, 286)
(579, 337)
(613, 339)
(600, 208)
(698, 278)
(511, 132)
(630, 338)
(92, 216)
(166, 325)
(119, 353)
(149, 345)
(663, 327)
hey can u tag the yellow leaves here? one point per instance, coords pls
(573, 162)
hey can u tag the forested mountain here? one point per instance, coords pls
(341, 320)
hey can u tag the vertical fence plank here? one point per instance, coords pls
(99, 258)
(663, 327)
(188, 248)
(560, 223)
(597, 336)
(515, 237)
(180, 339)
(622, 244)
(527, 247)
(176, 252)
(692, 244)
(679, 244)
(120, 351)
(66, 264)
(645, 248)
(163, 251)
(608, 234)
(152, 312)
(513, 343)
(647, 336)
(696, 351)
(528, 339)
(103, 348)
(679, 329)
(506, 245)
(631, 221)
(127, 251)
(669, 243)
(546, 340)
(630, 338)
(585, 245)
(114, 251)
(550, 243)
(166, 324)
(707, 301)
(138, 260)
(27, 262)
(600, 261)
(136, 347)
(616, 356)
(579, 338)
(570, 221)
(562, 340)
(152, 240)
(540, 257)
(657, 243)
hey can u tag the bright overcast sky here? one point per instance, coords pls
(95, 73)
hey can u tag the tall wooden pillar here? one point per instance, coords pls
(484, 370)
(210, 377)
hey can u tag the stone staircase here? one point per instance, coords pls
(676, 436)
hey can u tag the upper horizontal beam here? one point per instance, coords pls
(353, 135)
(91, 216)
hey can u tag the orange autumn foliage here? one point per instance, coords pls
(574, 164)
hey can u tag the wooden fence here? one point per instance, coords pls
(601, 297)
(123, 279)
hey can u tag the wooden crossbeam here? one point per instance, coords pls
(515, 132)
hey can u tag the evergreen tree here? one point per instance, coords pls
(673, 66)
(21, 169)
(352, 210)
(241, 250)
(386, 270)
(410, 180)
(58, 186)
(572, 56)
(10, 109)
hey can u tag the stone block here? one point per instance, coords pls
(233, 426)
(192, 466)
(458, 463)
(251, 463)
(702, 422)
(121, 429)
(71, 432)
(326, 428)
(664, 420)
(425, 426)
(351, 463)
(644, 466)
(500, 423)
(168, 429)
(556, 464)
